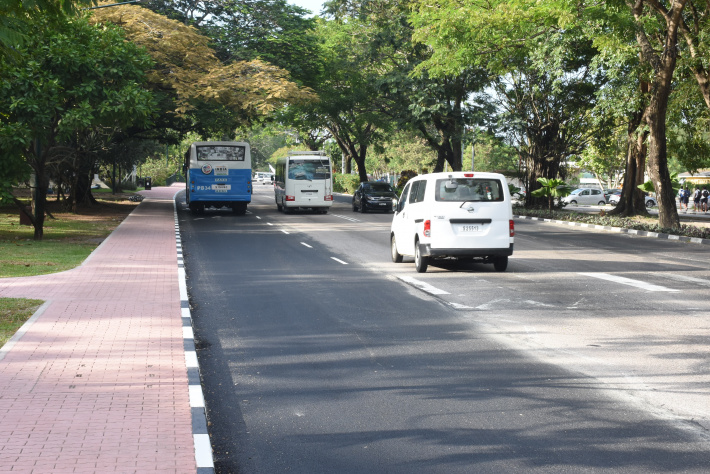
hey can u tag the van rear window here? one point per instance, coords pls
(469, 189)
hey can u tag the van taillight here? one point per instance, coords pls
(427, 228)
(468, 175)
(512, 228)
(328, 197)
(290, 198)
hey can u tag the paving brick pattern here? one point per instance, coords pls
(98, 382)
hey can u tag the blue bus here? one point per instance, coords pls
(218, 175)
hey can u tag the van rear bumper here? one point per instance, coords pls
(426, 251)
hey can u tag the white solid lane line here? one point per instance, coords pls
(628, 281)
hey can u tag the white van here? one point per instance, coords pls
(460, 215)
(303, 180)
(263, 177)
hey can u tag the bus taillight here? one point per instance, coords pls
(290, 198)
(328, 197)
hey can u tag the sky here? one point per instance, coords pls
(312, 5)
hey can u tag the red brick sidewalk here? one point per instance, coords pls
(98, 381)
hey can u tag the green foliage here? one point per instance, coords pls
(648, 186)
(345, 183)
(552, 188)
(404, 179)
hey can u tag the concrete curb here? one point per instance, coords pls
(621, 230)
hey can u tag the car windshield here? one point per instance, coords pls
(576, 191)
(469, 189)
(377, 188)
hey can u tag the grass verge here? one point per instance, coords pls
(13, 314)
(68, 239)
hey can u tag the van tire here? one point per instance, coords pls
(396, 256)
(420, 262)
(500, 264)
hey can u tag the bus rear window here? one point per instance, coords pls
(469, 189)
(220, 153)
(308, 169)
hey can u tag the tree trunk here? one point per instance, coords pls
(655, 114)
(632, 201)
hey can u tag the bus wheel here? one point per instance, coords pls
(239, 208)
(196, 208)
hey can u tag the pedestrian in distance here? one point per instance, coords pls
(684, 198)
(704, 199)
(696, 199)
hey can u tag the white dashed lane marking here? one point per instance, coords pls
(432, 290)
(628, 281)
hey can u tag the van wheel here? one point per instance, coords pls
(500, 264)
(420, 262)
(396, 256)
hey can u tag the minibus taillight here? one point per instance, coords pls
(290, 198)
(427, 228)
(512, 228)
(328, 197)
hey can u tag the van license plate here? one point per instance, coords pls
(470, 228)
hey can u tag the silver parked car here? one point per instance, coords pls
(586, 196)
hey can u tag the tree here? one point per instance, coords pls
(72, 77)
(544, 88)
(234, 93)
(273, 31)
(17, 17)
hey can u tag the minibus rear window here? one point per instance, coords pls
(469, 189)
(308, 169)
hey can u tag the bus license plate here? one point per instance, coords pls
(470, 228)
(221, 188)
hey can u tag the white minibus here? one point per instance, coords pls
(303, 180)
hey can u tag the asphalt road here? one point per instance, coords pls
(319, 355)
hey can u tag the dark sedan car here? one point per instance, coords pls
(374, 196)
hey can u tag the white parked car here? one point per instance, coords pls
(459, 215)
(586, 196)
(614, 199)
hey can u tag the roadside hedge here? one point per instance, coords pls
(613, 221)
